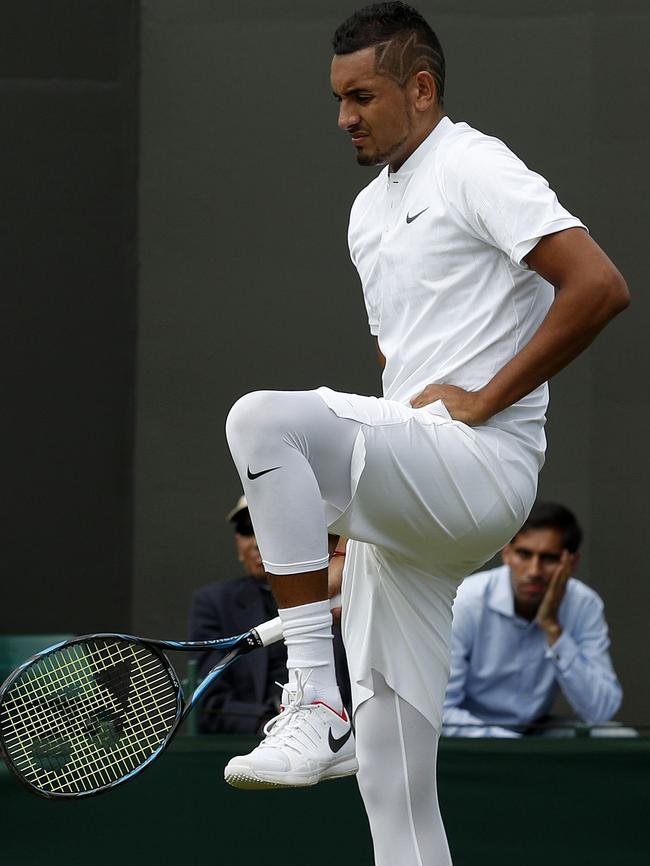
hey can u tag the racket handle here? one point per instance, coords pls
(271, 631)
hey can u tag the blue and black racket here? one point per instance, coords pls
(90, 713)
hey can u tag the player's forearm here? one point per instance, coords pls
(580, 311)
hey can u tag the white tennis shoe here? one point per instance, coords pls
(305, 744)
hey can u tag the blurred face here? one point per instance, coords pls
(532, 557)
(249, 555)
(374, 110)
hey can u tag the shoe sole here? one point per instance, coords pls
(246, 779)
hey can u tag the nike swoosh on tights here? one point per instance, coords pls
(254, 475)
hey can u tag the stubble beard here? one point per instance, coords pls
(383, 157)
(380, 157)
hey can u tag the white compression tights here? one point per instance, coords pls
(309, 451)
(397, 749)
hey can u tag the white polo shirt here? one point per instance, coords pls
(439, 247)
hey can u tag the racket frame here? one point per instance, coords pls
(238, 645)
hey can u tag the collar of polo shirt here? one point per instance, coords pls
(415, 159)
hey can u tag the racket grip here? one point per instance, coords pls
(271, 631)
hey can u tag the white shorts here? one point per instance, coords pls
(432, 501)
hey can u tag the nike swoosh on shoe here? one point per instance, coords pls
(337, 743)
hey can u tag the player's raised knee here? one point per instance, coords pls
(249, 414)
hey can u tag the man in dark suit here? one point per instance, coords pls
(246, 695)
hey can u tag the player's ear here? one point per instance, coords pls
(505, 554)
(427, 93)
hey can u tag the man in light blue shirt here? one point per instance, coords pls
(525, 630)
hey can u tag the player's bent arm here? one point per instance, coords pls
(590, 292)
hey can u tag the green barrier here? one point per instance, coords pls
(505, 803)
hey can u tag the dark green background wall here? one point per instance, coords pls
(68, 194)
(245, 189)
(244, 281)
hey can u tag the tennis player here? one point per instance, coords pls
(459, 247)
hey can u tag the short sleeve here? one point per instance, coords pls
(502, 201)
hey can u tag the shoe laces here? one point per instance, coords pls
(293, 728)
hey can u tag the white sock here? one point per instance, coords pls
(308, 638)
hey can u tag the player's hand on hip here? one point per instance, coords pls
(465, 406)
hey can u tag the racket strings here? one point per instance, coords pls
(91, 712)
(39, 693)
(71, 716)
(88, 714)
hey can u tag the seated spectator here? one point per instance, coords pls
(525, 630)
(245, 696)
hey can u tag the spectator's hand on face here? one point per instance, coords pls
(547, 614)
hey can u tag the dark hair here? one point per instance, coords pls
(550, 515)
(404, 42)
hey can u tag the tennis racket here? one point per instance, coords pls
(93, 712)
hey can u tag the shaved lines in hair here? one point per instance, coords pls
(402, 56)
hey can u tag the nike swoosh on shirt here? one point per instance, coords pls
(409, 219)
(254, 475)
(337, 743)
